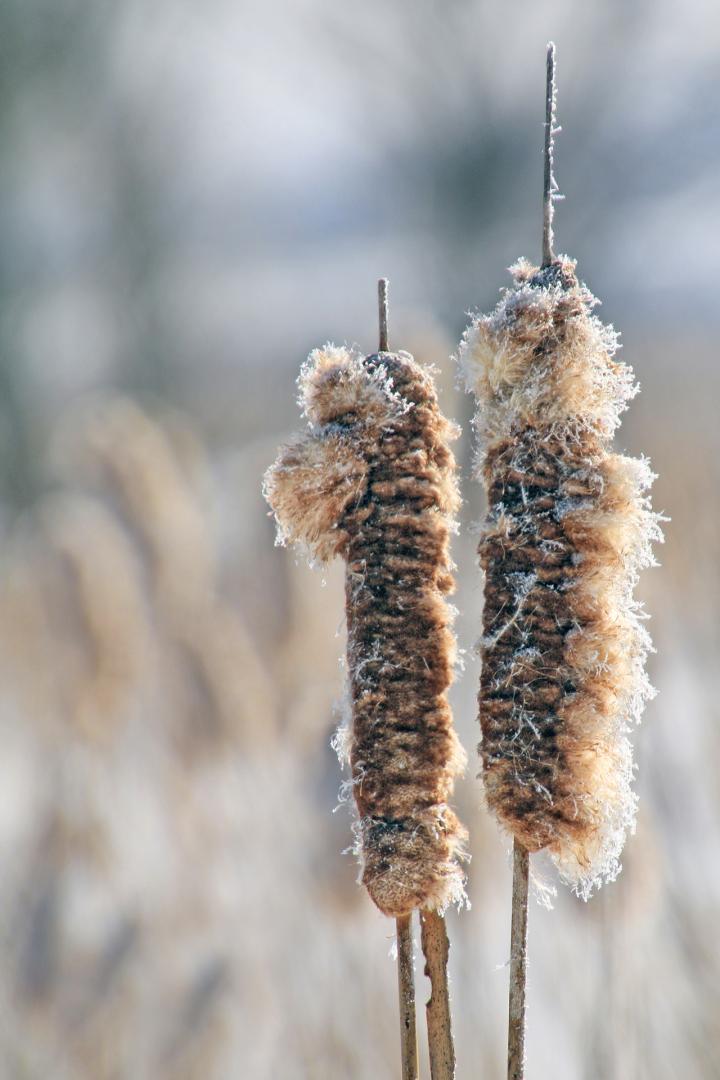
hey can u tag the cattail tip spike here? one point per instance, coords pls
(550, 187)
(383, 314)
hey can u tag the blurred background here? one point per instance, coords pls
(191, 197)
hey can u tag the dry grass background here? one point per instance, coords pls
(173, 898)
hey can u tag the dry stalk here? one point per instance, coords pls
(406, 994)
(436, 947)
(518, 963)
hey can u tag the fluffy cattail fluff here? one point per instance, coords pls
(568, 527)
(373, 480)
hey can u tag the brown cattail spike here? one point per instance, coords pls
(373, 480)
(568, 528)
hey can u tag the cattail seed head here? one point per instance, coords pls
(568, 528)
(373, 480)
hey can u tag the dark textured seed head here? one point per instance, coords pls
(374, 481)
(568, 527)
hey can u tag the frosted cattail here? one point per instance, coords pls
(373, 480)
(568, 528)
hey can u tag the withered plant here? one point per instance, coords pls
(373, 481)
(568, 527)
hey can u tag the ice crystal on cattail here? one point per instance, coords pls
(568, 527)
(373, 480)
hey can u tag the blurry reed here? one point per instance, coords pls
(131, 675)
(373, 480)
(124, 451)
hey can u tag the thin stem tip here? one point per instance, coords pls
(383, 313)
(550, 187)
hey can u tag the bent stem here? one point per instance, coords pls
(518, 963)
(436, 947)
(406, 990)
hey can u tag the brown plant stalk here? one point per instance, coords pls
(406, 998)
(436, 948)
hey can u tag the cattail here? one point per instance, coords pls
(373, 480)
(568, 528)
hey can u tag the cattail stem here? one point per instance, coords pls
(518, 963)
(436, 948)
(549, 184)
(406, 991)
(521, 857)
